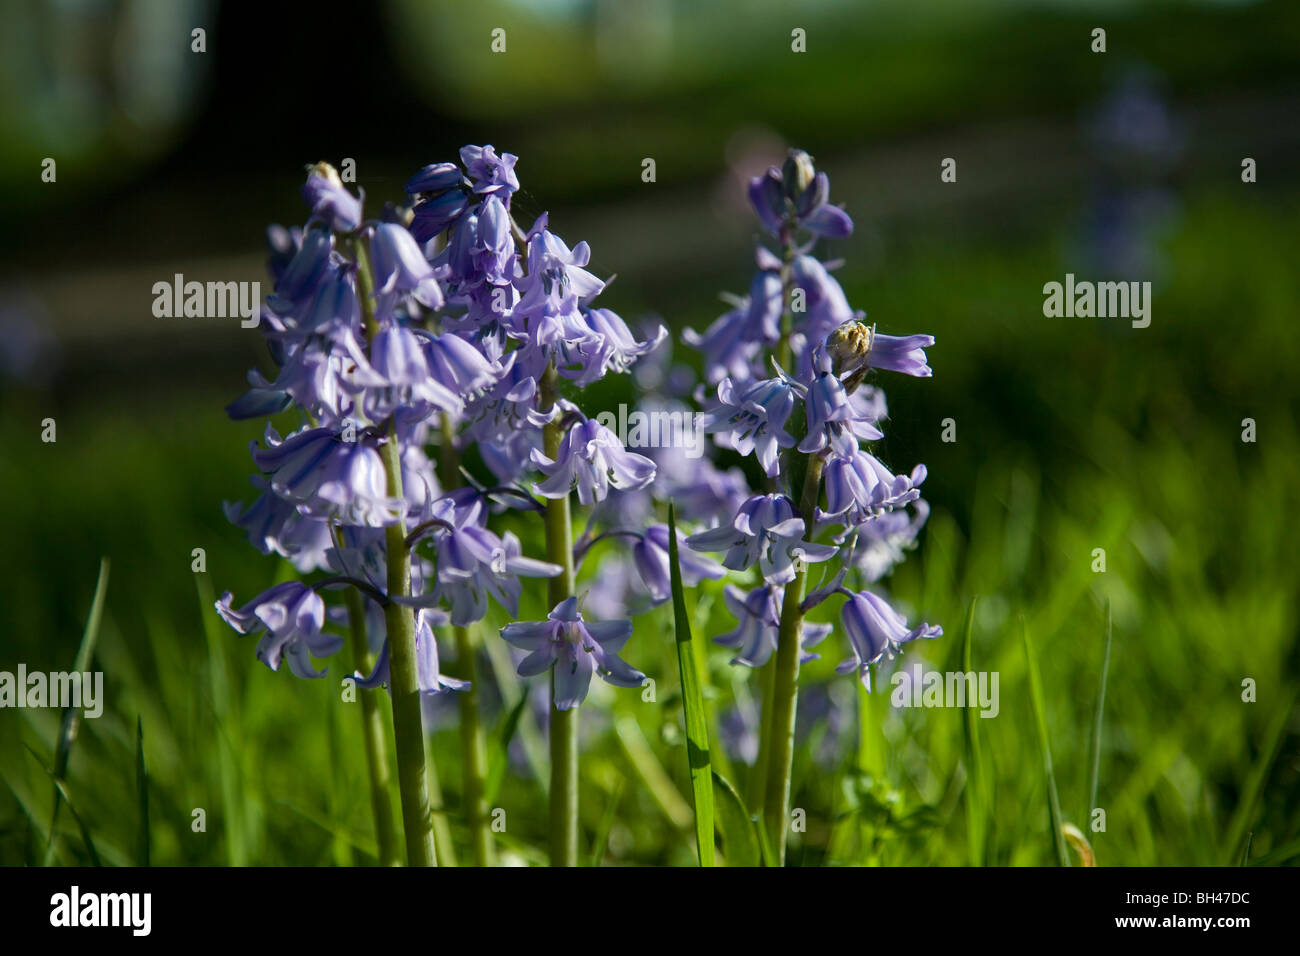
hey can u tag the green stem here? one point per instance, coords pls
(473, 742)
(372, 726)
(403, 683)
(785, 681)
(564, 723)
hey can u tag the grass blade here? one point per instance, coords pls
(1040, 719)
(601, 843)
(978, 801)
(697, 723)
(142, 791)
(71, 715)
(62, 791)
(1096, 724)
(501, 748)
(1254, 785)
(739, 839)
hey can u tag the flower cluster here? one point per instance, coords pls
(401, 341)
(789, 364)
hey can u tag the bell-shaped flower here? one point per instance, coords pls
(758, 626)
(651, 556)
(326, 475)
(904, 354)
(752, 419)
(859, 486)
(576, 649)
(429, 676)
(592, 457)
(767, 530)
(492, 174)
(329, 200)
(290, 617)
(875, 630)
(400, 266)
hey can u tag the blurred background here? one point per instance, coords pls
(1072, 434)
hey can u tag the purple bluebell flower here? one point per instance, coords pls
(904, 354)
(557, 281)
(473, 563)
(797, 194)
(458, 366)
(758, 625)
(765, 529)
(400, 266)
(434, 178)
(275, 525)
(492, 174)
(730, 346)
(329, 200)
(651, 556)
(432, 215)
(833, 418)
(397, 354)
(290, 617)
(326, 476)
(609, 346)
(875, 630)
(859, 486)
(428, 673)
(575, 648)
(753, 419)
(592, 457)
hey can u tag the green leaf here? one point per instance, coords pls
(697, 724)
(978, 799)
(62, 791)
(1040, 719)
(601, 843)
(72, 715)
(501, 748)
(1254, 785)
(739, 836)
(142, 797)
(1095, 774)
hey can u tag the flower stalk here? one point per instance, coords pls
(408, 729)
(564, 723)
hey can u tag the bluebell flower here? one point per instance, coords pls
(457, 365)
(651, 556)
(767, 530)
(608, 346)
(730, 346)
(492, 174)
(290, 617)
(434, 178)
(474, 563)
(329, 200)
(326, 476)
(753, 419)
(592, 457)
(575, 649)
(859, 486)
(397, 354)
(428, 673)
(758, 625)
(904, 354)
(833, 418)
(400, 266)
(275, 525)
(796, 195)
(432, 215)
(557, 281)
(875, 630)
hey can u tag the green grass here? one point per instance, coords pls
(1071, 436)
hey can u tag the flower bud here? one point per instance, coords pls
(797, 174)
